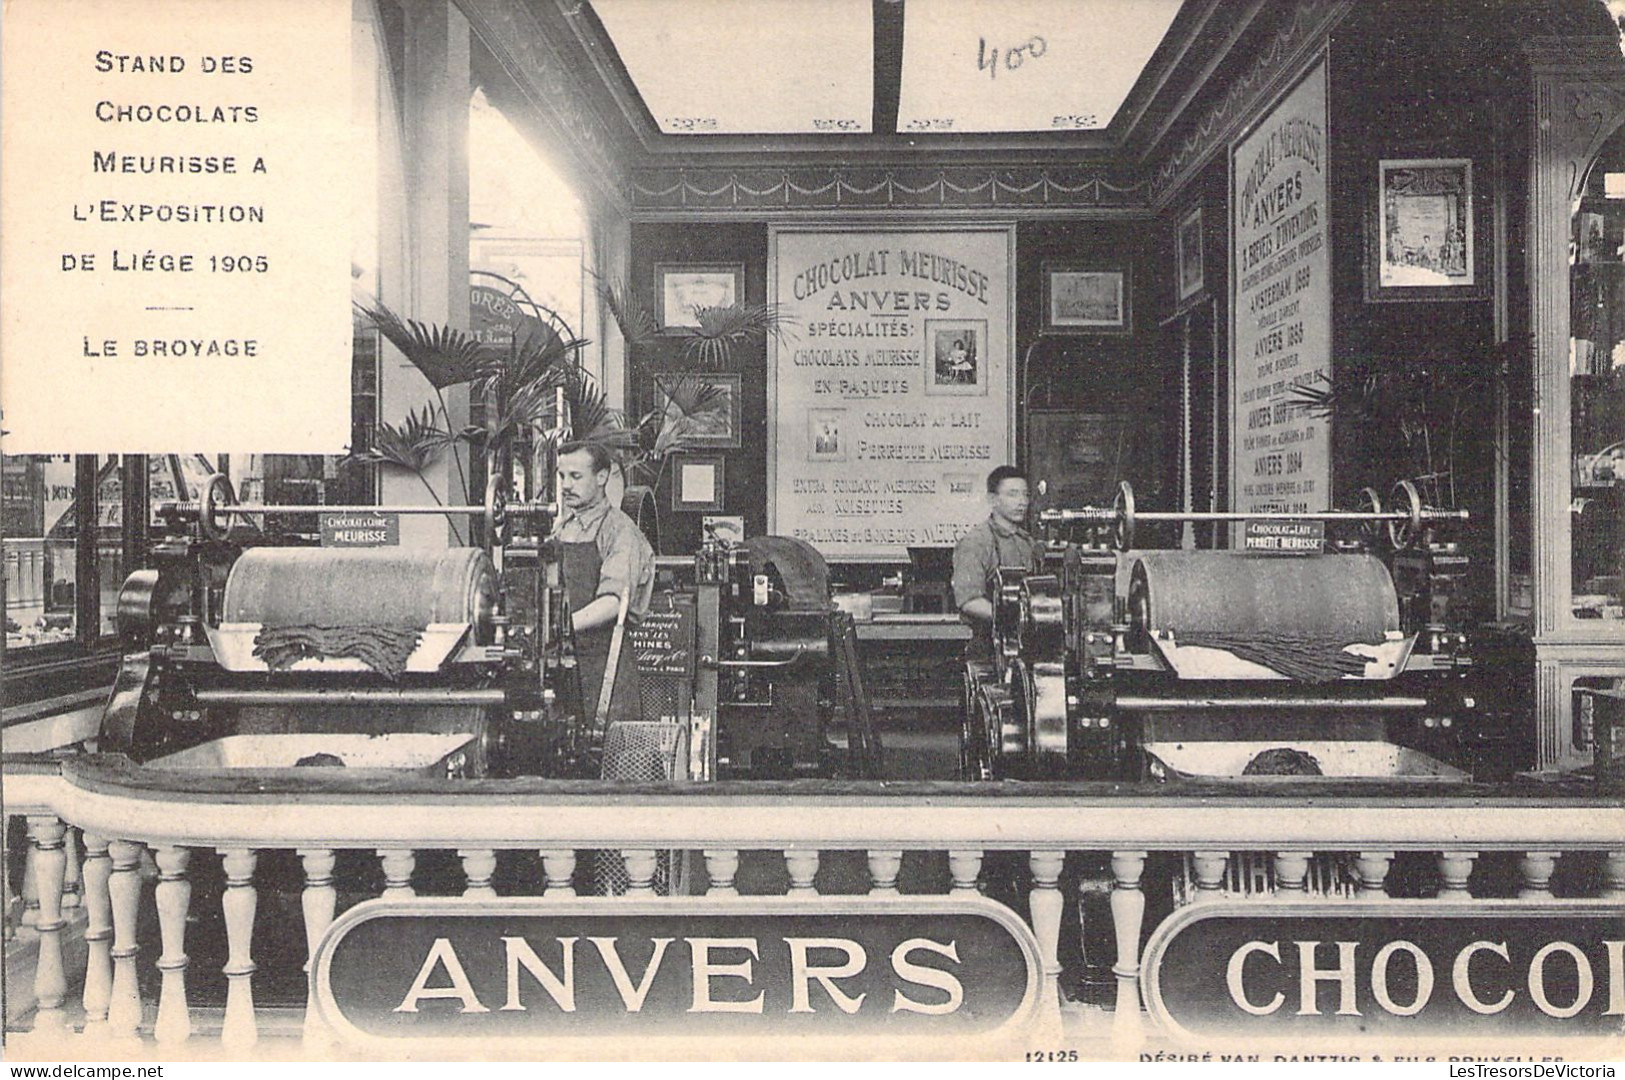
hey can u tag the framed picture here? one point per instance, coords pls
(681, 289)
(956, 356)
(826, 435)
(1188, 254)
(1085, 300)
(714, 427)
(1422, 232)
(697, 482)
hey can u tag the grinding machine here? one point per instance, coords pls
(1293, 654)
(778, 679)
(454, 661)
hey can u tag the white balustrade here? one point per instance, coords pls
(124, 892)
(98, 868)
(398, 865)
(318, 903)
(802, 866)
(1455, 868)
(1537, 868)
(45, 838)
(558, 873)
(884, 866)
(965, 867)
(173, 897)
(721, 867)
(1372, 867)
(479, 866)
(238, 905)
(880, 822)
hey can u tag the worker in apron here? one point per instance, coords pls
(608, 573)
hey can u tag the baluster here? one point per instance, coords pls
(72, 879)
(966, 869)
(124, 892)
(558, 873)
(1291, 868)
(479, 864)
(884, 867)
(30, 917)
(1045, 904)
(1613, 876)
(174, 897)
(318, 902)
(398, 865)
(802, 866)
(1210, 869)
(721, 866)
(1373, 869)
(1128, 912)
(1537, 868)
(1455, 867)
(98, 869)
(640, 871)
(238, 904)
(45, 836)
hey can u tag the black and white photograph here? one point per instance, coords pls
(1086, 300)
(602, 533)
(956, 353)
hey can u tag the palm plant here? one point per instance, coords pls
(729, 326)
(517, 386)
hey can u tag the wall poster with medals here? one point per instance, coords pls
(891, 394)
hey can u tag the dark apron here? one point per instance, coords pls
(581, 566)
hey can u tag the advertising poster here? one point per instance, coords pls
(1282, 315)
(890, 396)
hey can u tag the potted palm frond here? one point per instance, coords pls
(517, 388)
(1411, 411)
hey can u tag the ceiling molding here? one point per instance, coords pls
(561, 105)
(1278, 59)
(680, 191)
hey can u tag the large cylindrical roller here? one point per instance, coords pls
(1345, 598)
(361, 587)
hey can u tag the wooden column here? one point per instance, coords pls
(124, 889)
(1128, 915)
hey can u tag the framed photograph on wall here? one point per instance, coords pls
(956, 356)
(826, 435)
(1423, 232)
(1188, 254)
(716, 425)
(681, 289)
(1085, 300)
(697, 482)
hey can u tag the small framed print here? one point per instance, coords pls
(697, 482)
(956, 356)
(1423, 232)
(682, 289)
(716, 426)
(1085, 300)
(826, 435)
(1188, 254)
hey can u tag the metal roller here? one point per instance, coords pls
(1349, 598)
(361, 587)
